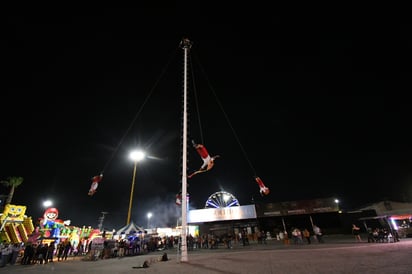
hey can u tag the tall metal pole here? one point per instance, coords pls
(129, 212)
(186, 45)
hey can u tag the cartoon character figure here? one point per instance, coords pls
(95, 183)
(263, 189)
(208, 162)
(51, 223)
(13, 213)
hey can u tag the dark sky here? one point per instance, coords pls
(315, 106)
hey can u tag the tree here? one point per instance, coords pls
(11, 182)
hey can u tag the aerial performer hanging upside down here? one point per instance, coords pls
(208, 161)
(95, 183)
(179, 198)
(263, 189)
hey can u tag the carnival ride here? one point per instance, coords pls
(221, 199)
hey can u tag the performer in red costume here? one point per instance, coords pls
(179, 198)
(95, 183)
(208, 162)
(263, 189)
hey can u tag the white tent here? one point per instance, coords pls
(129, 229)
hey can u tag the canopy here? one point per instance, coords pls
(390, 208)
(131, 228)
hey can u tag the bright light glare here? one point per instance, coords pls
(395, 226)
(149, 215)
(47, 203)
(137, 155)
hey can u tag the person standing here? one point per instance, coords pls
(243, 237)
(60, 251)
(306, 235)
(50, 252)
(28, 254)
(44, 249)
(318, 233)
(356, 233)
(15, 253)
(6, 252)
(67, 248)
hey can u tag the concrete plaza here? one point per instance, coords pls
(339, 254)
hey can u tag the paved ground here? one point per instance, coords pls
(339, 254)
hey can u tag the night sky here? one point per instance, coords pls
(317, 107)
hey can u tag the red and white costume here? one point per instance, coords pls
(95, 183)
(208, 161)
(263, 189)
(179, 199)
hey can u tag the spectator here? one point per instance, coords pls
(6, 252)
(15, 253)
(356, 233)
(50, 252)
(306, 235)
(28, 254)
(318, 233)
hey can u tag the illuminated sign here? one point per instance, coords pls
(298, 207)
(221, 214)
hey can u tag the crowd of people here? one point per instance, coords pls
(34, 253)
(382, 235)
(47, 252)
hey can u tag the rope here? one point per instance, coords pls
(141, 108)
(227, 119)
(197, 104)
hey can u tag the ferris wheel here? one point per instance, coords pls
(221, 199)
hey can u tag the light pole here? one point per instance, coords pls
(136, 156)
(149, 215)
(337, 205)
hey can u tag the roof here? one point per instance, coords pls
(131, 228)
(389, 208)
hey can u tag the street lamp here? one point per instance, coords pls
(47, 203)
(136, 156)
(149, 215)
(337, 205)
